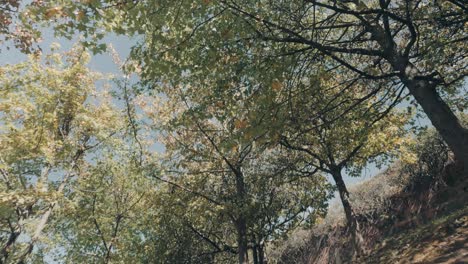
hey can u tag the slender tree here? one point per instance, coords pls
(224, 169)
(347, 136)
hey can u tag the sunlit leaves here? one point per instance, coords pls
(52, 116)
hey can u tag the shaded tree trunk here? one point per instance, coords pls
(241, 221)
(425, 92)
(11, 240)
(261, 254)
(441, 117)
(242, 241)
(255, 254)
(258, 254)
(351, 219)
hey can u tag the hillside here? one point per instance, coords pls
(443, 240)
(406, 215)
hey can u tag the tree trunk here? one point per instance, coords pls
(254, 254)
(261, 254)
(241, 222)
(242, 241)
(45, 217)
(351, 219)
(425, 93)
(5, 252)
(441, 117)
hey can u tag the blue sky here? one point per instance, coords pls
(101, 62)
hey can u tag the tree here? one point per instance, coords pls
(229, 185)
(340, 139)
(50, 122)
(394, 41)
(388, 39)
(112, 212)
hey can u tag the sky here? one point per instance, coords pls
(101, 62)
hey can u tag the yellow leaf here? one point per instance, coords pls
(240, 123)
(276, 86)
(80, 15)
(51, 12)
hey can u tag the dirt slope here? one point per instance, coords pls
(401, 221)
(444, 240)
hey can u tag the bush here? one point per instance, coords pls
(433, 155)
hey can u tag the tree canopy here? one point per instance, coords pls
(417, 44)
(245, 118)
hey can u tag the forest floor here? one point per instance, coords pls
(443, 240)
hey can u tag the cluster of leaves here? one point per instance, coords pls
(434, 162)
(384, 43)
(108, 213)
(72, 189)
(18, 26)
(52, 119)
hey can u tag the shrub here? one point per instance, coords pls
(433, 155)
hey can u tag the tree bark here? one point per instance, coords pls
(241, 221)
(441, 117)
(5, 252)
(425, 93)
(242, 241)
(255, 254)
(261, 254)
(351, 219)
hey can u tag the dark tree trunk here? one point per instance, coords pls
(241, 222)
(441, 117)
(261, 254)
(425, 93)
(351, 219)
(242, 241)
(255, 255)
(6, 249)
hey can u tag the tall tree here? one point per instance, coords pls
(337, 132)
(224, 168)
(389, 40)
(109, 212)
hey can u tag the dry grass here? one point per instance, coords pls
(444, 240)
